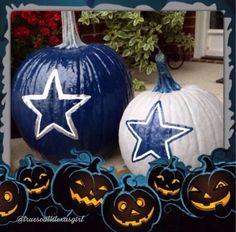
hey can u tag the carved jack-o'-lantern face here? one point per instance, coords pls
(166, 180)
(37, 179)
(133, 208)
(13, 199)
(209, 190)
(84, 185)
(87, 190)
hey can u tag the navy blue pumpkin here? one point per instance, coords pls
(71, 96)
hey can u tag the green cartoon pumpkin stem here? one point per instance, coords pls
(3, 173)
(70, 35)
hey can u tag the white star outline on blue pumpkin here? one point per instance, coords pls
(156, 109)
(27, 99)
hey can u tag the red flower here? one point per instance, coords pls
(44, 31)
(54, 40)
(52, 25)
(41, 22)
(22, 32)
(14, 14)
(57, 16)
(32, 20)
(26, 14)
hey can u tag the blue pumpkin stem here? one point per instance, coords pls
(165, 83)
(70, 35)
(3, 173)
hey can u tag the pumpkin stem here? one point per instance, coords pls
(3, 172)
(172, 163)
(127, 186)
(30, 160)
(94, 165)
(207, 163)
(165, 82)
(70, 35)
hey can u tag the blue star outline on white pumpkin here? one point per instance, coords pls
(159, 145)
(43, 123)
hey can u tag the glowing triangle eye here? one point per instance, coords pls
(103, 188)
(27, 179)
(193, 189)
(221, 184)
(80, 182)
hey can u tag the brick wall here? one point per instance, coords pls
(189, 27)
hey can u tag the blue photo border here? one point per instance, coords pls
(226, 6)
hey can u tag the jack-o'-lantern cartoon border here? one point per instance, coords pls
(83, 186)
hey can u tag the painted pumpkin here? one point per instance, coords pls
(170, 120)
(131, 208)
(13, 198)
(209, 190)
(81, 187)
(36, 176)
(71, 96)
(167, 178)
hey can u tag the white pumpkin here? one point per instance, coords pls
(170, 120)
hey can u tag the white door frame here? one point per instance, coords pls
(201, 32)
(208, 42)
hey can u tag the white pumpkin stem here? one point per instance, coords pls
(70, 35)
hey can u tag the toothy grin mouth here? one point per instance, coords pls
(40, 189)
(166, 191)
(86, 200)
(5, 214)
(135, 223)
(212, 206)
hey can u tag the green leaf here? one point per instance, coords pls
(126, 53)
(138, 85)
(107, 37)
